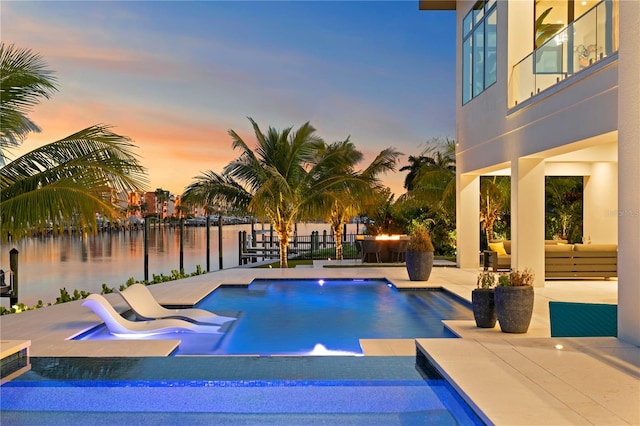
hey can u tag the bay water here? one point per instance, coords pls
(49, 263)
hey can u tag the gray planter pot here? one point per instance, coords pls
(419, 264)
(514, 307)
(484, 309)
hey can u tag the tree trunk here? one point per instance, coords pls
(283, 236)
(489, 229)
(337, 235)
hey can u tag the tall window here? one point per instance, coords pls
(478, 49)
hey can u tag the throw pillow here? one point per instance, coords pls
(498, 248)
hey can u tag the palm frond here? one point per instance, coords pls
(24, 81)
(95, 167)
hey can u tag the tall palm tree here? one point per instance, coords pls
(287, 177)
(65, 182)
(415, 164)
(350, 198)
(434, 183)
(563, 207)
(495, 201)
(162, 196)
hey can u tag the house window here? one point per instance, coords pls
(478, 49)
(553, 15)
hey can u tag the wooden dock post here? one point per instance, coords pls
(220, 240)
(181, 245)
(13, 266)
(208, 241)
(146, 248)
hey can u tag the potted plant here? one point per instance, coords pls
(514, 301)
(482, 300)
(419, 255)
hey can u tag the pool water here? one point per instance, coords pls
(232, 390)
(315, 317)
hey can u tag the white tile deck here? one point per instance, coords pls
(509, 378)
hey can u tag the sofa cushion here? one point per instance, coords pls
(556, 241)
(504, 261)
(595, 250)
(558, 250)
(507, 246)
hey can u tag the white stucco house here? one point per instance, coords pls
(531, 105)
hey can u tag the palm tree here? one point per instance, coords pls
(162, 196)
(350, 198)
(415, 164)
(287, 177)
(65, 182)
(563, 207)
(494, 201)
(381, 213)
(434, 184)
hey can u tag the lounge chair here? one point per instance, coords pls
(121, 327)
(145, 306)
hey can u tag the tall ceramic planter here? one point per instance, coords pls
(419, 264)
(484, 310)
(514, 307)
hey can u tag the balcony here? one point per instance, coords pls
(587, 40)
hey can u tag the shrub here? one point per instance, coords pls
(486, 280)
(419, 238)
(77, 294)
(517, 278)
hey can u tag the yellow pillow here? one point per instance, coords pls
(498, 247)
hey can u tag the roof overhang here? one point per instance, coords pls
(437, 4)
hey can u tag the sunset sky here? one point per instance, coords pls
(176, 76)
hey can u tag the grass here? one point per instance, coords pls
(292, 263)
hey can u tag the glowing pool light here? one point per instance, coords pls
(320, 349)
(321, 282)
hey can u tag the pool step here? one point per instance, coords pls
(14, 359)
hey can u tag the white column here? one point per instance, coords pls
(600, 222)
(527, 216)
(468, 221)
(629, 174)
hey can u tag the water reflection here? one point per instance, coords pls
(47, 264)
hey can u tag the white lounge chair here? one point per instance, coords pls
(145, 306)
(121, 327)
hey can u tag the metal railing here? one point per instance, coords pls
(316, 246)
(585, 41)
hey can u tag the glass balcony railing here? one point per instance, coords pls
(585, 41)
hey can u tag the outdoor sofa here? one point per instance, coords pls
(562, 260)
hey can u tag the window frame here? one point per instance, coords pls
(474, 59)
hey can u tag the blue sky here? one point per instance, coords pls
(176, 76)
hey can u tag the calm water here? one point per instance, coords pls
(315, 317)
(48, 264)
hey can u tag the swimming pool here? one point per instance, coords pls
(316, 317)
(232, 390)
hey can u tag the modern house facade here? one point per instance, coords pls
(551, 88)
